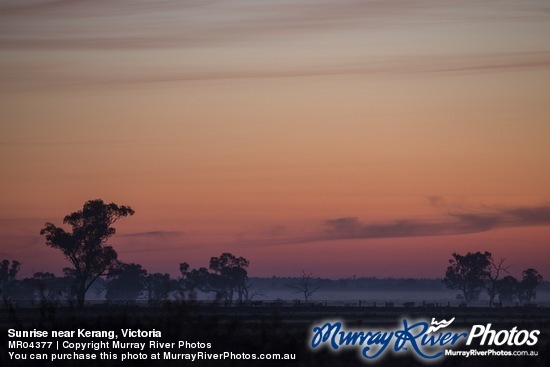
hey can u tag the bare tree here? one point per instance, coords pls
(305, 285)
(249, 294)
(493, 275)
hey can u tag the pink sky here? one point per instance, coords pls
(340, 137)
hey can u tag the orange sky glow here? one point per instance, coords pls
(342, 138)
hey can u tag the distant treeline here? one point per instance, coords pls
(365, 284)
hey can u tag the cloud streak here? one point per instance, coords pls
(124, 24)
(350, 228)
(406, 65)
(122, 42)
(160, 24)
(154, 234)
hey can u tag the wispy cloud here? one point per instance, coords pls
(458, 223)
(78, 24)
(155, 234)
(160, 24)
(100, 43)
(407, 65)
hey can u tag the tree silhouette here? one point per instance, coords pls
(493, 277)
(249, 294)
(507, 289)
(192, 280)
(530, 281)
(49, 287)
(305, 285)
(226, 275)
(468, 273)
(230, 275)
(195, 279)
(126, 283)
(7, 277)
(159, 286)
(86, 245)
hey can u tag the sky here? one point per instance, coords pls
(341, 138)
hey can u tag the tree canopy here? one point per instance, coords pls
(85, 246)
(468, 273)
(7, 277)
(530, 280)
(126, 283)
(226, 275)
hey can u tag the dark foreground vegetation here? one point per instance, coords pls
(270, 329)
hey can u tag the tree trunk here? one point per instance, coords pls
(81, 294)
